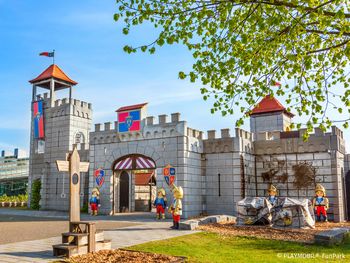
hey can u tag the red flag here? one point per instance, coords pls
(47, 54)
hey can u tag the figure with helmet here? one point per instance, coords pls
(176, 207)
(320, 203)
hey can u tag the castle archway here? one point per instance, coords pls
(134, 183)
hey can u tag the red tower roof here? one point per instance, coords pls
(269, 104)
(53, 71)
(132, 107)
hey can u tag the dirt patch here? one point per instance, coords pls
(120, 255)
(298, 235)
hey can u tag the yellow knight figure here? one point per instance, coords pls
(176, 207)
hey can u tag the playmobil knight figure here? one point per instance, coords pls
(95, 201)
(160, 203)
(176, 207)
(272, 198)
(320, 203)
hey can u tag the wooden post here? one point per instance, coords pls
(74, 167)
(92, 239)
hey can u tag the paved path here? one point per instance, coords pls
(144, 229)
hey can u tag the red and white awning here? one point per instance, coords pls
(125, 164)
(144, 163)
(136, 162)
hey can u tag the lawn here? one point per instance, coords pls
(212, 247)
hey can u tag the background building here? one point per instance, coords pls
(14, 171)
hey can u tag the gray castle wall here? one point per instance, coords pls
(241, 160)
(62, 122)
(166, 143)
(277, 121)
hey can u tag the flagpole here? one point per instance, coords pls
(53, 57)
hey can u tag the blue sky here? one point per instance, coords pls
(88, 46)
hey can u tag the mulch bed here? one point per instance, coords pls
(120, 255)
(298, 235)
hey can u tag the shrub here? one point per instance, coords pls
(35, 197)
(85, 208)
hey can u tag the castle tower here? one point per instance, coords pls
(56, 124)
(270, 115)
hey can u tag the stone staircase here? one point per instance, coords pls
(81, 241)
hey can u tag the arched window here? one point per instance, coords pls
(79, 139)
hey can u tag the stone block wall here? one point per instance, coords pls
(278, 121)
(62, 122)
(165, 142)
(322, 153)
(228, 167)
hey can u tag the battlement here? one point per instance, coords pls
(148, 121)
(195, 133)
(292, 141)
(66, 106)
(225, 133)
(107, 132)
(276, 135)
(65, 101)
(240, 133)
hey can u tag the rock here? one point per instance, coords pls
(332, 237)
(188, 225)
(194, 223)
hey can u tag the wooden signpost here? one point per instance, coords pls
(77, 240)
(73, 165)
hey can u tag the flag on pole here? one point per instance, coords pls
(47, 54)
(275, 83)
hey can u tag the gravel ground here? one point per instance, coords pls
(118, 255)
(24, 228)
(299, 235)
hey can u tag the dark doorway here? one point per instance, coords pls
(124, 193)
(347, 194)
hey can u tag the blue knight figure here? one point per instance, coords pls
(94, 201)
(160, 203)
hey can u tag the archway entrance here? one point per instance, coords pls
(134, 183)
(124, 192)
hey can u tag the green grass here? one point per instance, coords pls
(211, 247)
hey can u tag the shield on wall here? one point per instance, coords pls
(169, 174)
(99, 177)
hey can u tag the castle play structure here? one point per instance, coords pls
(127, 156)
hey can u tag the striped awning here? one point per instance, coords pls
(125, 164)
(144, 163)
(136, 162)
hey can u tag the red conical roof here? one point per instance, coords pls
(269, 104)
(53, 71)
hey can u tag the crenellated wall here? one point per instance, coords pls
(282, 156)
(66, 123)
(166, 142)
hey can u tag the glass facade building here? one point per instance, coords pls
(14, 171)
